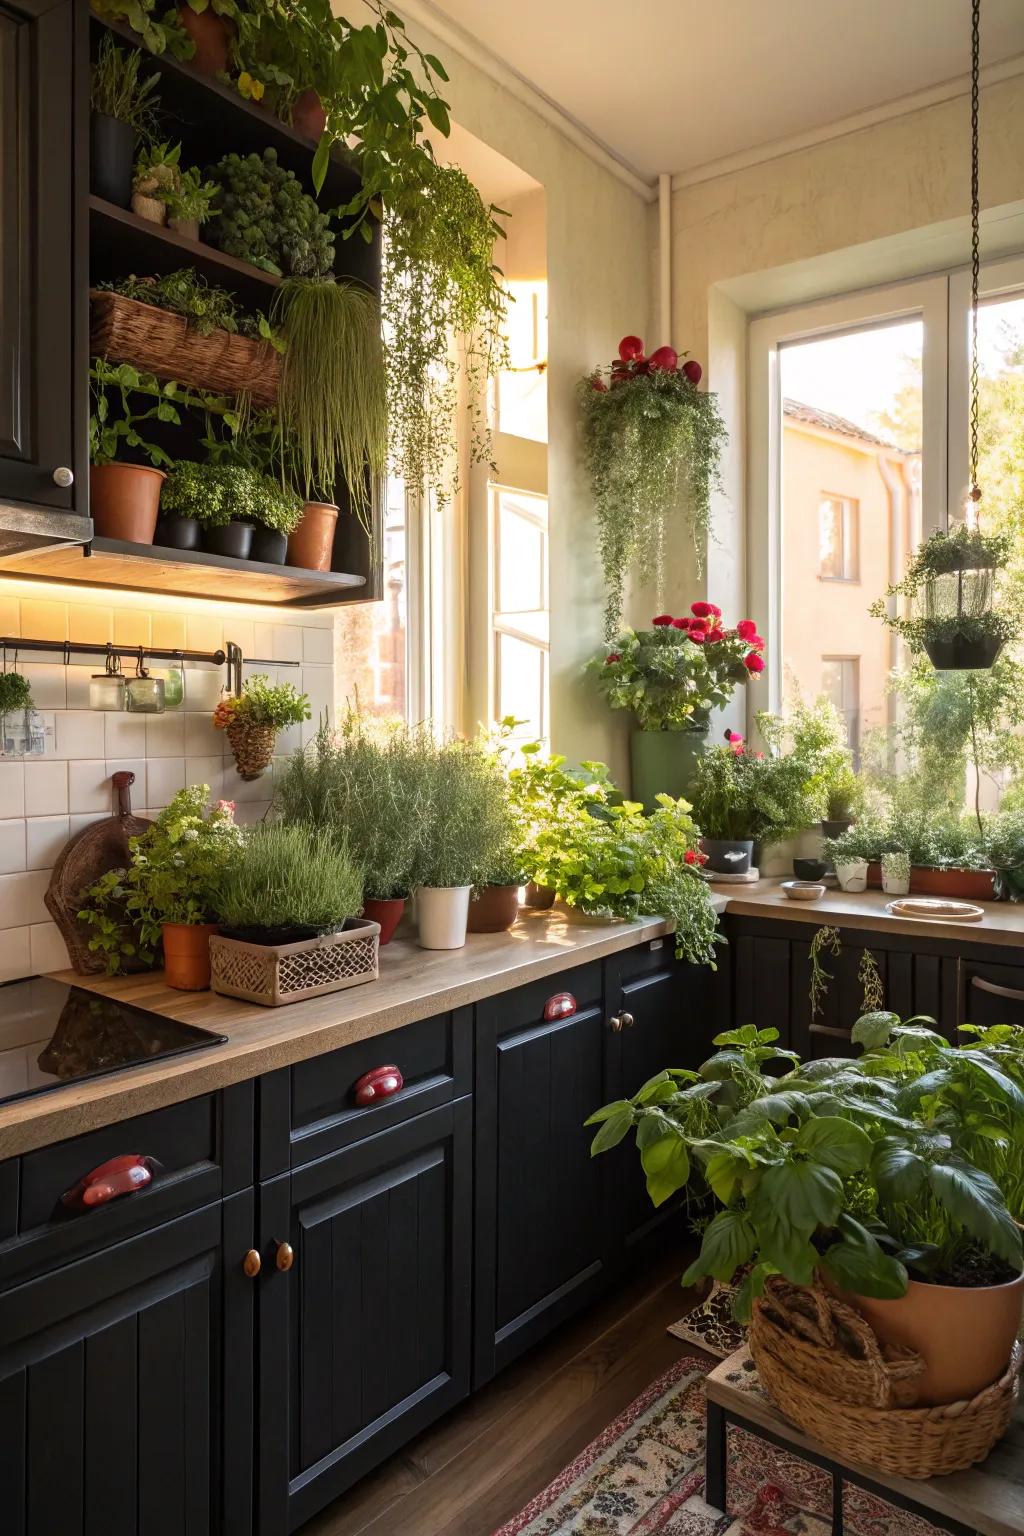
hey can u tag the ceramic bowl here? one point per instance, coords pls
(803, 890)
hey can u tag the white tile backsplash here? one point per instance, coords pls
(46, 800)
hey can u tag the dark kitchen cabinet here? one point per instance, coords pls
(364, 1307)
(43, 388)
(126, 1386)
(990, 993)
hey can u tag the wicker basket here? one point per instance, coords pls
(273, 974)
(908, 1442)
(126, 331)
(252, 747)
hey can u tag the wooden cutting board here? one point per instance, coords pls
(89, 854)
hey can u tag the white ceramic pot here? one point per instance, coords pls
(852, 874)
(442, 913)
(895, 885)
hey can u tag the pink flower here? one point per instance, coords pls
(662, 620)
(615, 656)
(716, 633)
(226, 807)
(746, 629)
(703, 610)
(697, 636)
(753, 662)
(732, 736)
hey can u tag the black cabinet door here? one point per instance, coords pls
(913, 980)
(541, 1230)
(990, 994)
(40, 431)
(126, 1387)
(365, 1337)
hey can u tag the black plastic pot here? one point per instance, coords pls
(809, 869)
(234, 539)
(962, 655)
(728, 856)
(268, 546)
(111, 156)
(173, 531)
(836, 828)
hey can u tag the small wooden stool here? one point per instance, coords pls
(987, 1500)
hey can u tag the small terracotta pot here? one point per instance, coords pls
(187, 955)
(212, 36)
(124, 500)
(959, 884)
(493, 908)
(308, 115)
(387, 912)
(540, 897)
(312, 542)
(189, 228)
(964, 1333)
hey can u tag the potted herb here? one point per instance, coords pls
(210, 26)
(651, 439)
(672, 676)
(843, 799)
(189, 206)
(187, 499)
(288, 923)
(948, 597)
(169, 895)
(742, 799)
(155, 181)
(1004, 845)
(15, 705)
(232, 508)
(253, 719)
(463, 825)
(546, 797)
(124, 498)
(261, 215)
(123, 104)
(895, 873)
(368, 786)
(276, 512)
(494, 904)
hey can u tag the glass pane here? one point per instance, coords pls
(522, 553)
(521, 685)
(523, 387)
(851, 506)
(370, 638)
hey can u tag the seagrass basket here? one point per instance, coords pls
(274, 974)
(252, 747)
(806, 1381)
(127, 331)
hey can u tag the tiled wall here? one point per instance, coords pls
(45, 800)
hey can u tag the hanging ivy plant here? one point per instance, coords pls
(652, 445)
(439, 282)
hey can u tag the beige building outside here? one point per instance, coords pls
(851, 510)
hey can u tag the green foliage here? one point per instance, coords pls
(669, 680)
(464, 813)
(738, 794)
(816, 735)
(1004, 844)
(203, 305)
(439, 282)
(650, 442)
(285, 877)
(949, 592)
(158, 174)
(963, 549)
(265, 703)
(332, 405)
(117, 89)
(261, 215)
(366, 787)
(109, 434)
(15, 693)
(218, 494)
(929, 838)
(163, 35)
(175, 875)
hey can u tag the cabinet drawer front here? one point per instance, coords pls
(525, 1006)
(204, 1150)
(310, 1110)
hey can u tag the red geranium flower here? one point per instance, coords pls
(756, 642)
(716, 633)
(693, 857)
(746, 629)
(615, 656)
(702, 610)
(698, 636)
(662, 620)
(732, 736)
(753, 662)
(680, 623)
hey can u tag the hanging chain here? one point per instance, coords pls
(975, 491)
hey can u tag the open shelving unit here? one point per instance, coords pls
(211, 119)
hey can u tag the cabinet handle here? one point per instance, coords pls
(284, 1258)
(63, 477)
(381, 1083)
(996, 991)
(561, 1006)
(118, 1176)
(252, 1264)
(621, 1021)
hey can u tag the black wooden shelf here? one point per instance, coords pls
(122, 243)
(191, 573)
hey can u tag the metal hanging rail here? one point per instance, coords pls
(231, 657)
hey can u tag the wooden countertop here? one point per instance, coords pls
(414, 984)
(1003, 923)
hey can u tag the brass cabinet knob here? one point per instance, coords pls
(621, 1021)
(628, 1021)
(251, 1263)
(63, 477)
(285, 1256)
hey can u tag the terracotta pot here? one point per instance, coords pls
(388, 913)
(187, 955)
(308, 115)
(875, 874)
(540, 897)
(212, 36)
(124, 500)
(964, 1333)
(493, 908)
(960, 884)
(313, 540)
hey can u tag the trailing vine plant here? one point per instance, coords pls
(652, 442)
(825, 940)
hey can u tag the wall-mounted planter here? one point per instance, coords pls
(124, 500)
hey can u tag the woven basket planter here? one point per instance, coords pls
(126, 331)
(807, 1381)
(252, 747)
(273, 974)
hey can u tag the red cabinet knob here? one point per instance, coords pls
(381, 1083)
(561, 1006)
(118, 1176)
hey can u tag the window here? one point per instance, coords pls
(837, 538)
(521, 389)
(371, 639)
(840, 682)
(520, 617)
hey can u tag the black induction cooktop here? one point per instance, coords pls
(52, 1033)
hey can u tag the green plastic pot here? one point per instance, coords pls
(664, 763)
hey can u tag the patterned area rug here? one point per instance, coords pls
(644, 1476)
(711, 1325)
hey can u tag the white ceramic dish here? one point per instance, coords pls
(932, 909)
(803, 890)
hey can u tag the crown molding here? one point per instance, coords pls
(933, 95)
(425, 14)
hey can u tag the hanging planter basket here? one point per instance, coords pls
(252, 747)
(948, 601)
(963, 653)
